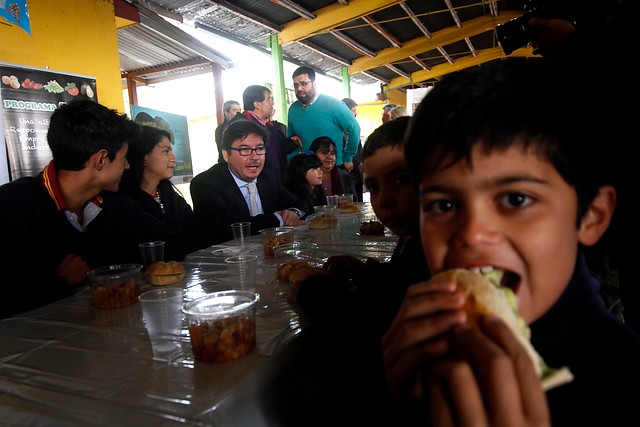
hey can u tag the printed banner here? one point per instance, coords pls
(178, 128)
(29, 96)
(15, 12)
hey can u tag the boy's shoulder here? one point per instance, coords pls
(19, 190)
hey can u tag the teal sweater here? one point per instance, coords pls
(327, 116)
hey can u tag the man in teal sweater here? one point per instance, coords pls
(314, 115)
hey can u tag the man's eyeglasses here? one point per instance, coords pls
(246, 151)
(303, 84)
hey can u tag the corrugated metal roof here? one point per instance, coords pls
(156, 50)
(399, 43)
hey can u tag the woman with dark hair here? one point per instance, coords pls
(334, 179)
(303, 177)
(152, 164)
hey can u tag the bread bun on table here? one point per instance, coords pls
(322, 221)
(350, 208)
(485, 296)
(165, 273)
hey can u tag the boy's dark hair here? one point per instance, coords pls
(240, 129)
(501, 104)
(138, 148)
(387, 134)
(305, 70)
(252, 94)
(322, 143)
(81, 128)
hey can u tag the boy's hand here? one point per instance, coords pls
(73, 269)
(345, 267)
(489, 380)
(418, 335)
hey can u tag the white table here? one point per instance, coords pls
(70, 364)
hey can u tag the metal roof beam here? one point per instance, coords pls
(295, 8)
(424, 44)
(353, 44)
(438, 71)
(384, 33)
(331, 17)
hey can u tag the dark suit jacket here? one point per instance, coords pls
(218, 202)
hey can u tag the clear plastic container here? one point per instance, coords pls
(115, 286)
(272, 237)
(222, 325)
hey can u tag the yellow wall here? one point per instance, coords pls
(71, 36)
(370, 116)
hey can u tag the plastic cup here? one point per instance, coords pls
(151, 252)
(222, 325)
(344, 199)
(332, 200)
(242, 270)
(162, 314)
(241, 232)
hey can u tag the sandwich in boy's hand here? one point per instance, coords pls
(485, 296)
(165, 273)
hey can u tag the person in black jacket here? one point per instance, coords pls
(221, 193)
(509, 162)
(353, 306)
(258, 108)
(71, 218)
(152, 164)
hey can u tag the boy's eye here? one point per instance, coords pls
(402, 179)
(372, 187)
(516, 200)
(439, 206)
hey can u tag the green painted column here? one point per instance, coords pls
(346, 81)
(278, 88)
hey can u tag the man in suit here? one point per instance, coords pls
(258, 108)
(221, 194)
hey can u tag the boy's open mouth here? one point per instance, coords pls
(507, 278)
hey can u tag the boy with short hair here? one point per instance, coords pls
(366, 295)
(508, 159)
(71, 217)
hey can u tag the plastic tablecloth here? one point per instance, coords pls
(70, 364)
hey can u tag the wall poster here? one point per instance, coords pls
(29, 96)
(178, 128)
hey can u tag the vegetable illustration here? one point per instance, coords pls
(72, 89)
(53, 87)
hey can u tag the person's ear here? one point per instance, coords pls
(598, 217)
(225, 155)
(99, 159)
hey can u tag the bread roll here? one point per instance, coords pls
(485, 297)
(350, 208)
(322, 221)
(165, 273)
